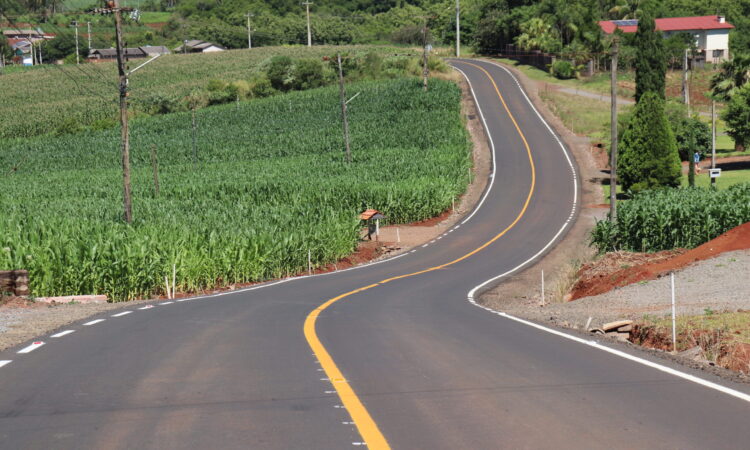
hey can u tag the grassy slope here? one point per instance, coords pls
(38, 101)
(269, 185)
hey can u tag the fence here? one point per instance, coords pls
(14, 282)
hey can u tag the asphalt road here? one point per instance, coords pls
(429, 369)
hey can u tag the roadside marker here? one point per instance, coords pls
(63, 333)
(93, 322)
(31, 347)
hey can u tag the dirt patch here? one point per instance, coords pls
(621, 269)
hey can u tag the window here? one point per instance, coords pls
(718, 53)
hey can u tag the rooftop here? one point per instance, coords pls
(714, 22)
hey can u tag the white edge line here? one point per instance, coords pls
(146, 307)
(732, 392)
(62, 333)
(94, 322)
(166, 303)
(492, 148)
(124, 313)
(31, 347)
(5, 362)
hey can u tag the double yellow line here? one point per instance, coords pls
(366, 426)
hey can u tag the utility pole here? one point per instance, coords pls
(342, 92)
(613, 136)
(309, 34)
(713, 140)
(75, 25)
(425, 69)
(125, 135)
(88, 29)
(685, 87)
(249, 31)
(458, 29)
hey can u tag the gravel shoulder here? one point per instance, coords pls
(712, 284)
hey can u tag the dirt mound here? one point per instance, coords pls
(620, 269)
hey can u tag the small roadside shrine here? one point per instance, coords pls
(372, 218)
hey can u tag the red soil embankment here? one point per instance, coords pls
(735, 239)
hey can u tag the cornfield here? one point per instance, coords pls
(673, 218)
(269, 183)
(48, 98)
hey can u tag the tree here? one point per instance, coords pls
(734, 74)
(537, 34)
(737, 117)
(650, 61)
(691, 133)
(648, 151)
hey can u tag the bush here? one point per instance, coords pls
(280, 72)
(649, 157)
(562, 69)
(159, 103)
(261, 87)
(308, 74)
(665, 219)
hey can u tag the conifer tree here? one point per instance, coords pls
(648, 151)
(650, 60)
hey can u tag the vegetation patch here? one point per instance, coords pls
(265, 183)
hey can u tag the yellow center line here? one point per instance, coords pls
(366, 426)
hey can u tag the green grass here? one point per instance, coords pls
(269, 184)
(155, 17)
(589, 118)
(599, 83)
(728, 178)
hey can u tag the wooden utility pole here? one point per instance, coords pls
(309, 33)
(125, 135)
(458, 29)
(425, 69)
(342, 92)
(249, 31)
(685, 87)
(613, 136)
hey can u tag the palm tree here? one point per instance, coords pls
(734, 74)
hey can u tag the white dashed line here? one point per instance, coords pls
(124, 313)
(5, 362)
(31, 347)
(184, 299)
(425, 245)
(166, 303)
(93, 322)
(147, 307)
(63, 333)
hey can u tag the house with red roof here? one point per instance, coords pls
(711, 32)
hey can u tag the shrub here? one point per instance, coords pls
(562, 69)
(260, 86)
(737, 117)
(280, 72)
(308, 74)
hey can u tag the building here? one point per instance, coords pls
(197, 46)
(33, 35)
(711, 33)
(146, 51)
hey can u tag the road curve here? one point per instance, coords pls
(426, 367)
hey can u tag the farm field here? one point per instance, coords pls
(266, 184)
(87, 93)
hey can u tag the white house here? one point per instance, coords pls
(196, 46)
(711, 32)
